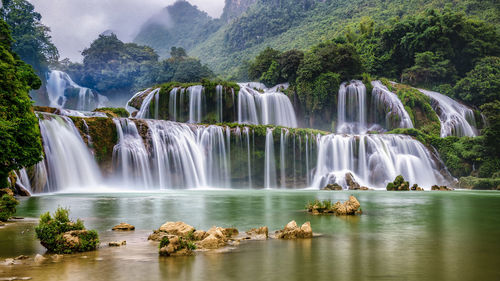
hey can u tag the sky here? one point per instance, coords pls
(76, 23)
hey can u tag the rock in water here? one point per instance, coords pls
(117, 243)
(351, 182)
(292, 231)
(177, 228)
(39, 258)
(124, 227)
(332, 186)
(441, 188)
(259, 233)
(349, 207)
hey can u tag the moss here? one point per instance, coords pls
(419, 108)
(399, 184)
(51, 231)
(113, 111)
(103, 135)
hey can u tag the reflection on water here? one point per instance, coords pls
(400, 236)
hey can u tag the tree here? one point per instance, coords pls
(20, 140)
(289, 63)
(262, 62)
(482, 84)
(32, 41)
(429, 68)
(177, 53)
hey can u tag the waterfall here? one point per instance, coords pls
(388, 104)
(144, 110)
(269, 165)
(23, 179)
(195, 104)
(219, 96)
(215, 145)
(172, 104)
(69, 162)
(374, 160)
(246, 132)
(352, 108)
(269, 107)
(283, 148)
(64, 93)
(456, 118)
(130, 156)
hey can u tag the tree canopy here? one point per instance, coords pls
(20, 137)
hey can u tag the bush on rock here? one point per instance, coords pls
(62, 236)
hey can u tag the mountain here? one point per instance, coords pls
(180, 24)
(249, 26)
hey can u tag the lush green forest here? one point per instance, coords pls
(299, 24)
(20, 137)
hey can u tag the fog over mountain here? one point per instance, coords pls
(75, 23)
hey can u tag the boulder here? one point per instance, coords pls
(351, 182)
(157, 235)
(22, 257)
(176, 246)
(415, 187)
(75, 240)
(292, 231)
(259, 233)
(117, 243)
(177, 228)
(332, 186)
(124, 227)
(212, 242)
(349, 207)
(199, 235)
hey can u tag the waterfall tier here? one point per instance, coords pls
(64, 93)
(456, 118)
(158, 154)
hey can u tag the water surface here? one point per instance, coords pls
(400, 236)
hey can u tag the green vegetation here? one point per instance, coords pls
(112, 67)
(7, 205)
(399, 184)
(32, 41)
(180, 244)
(113, 111)
(20, 136)
(61, 235)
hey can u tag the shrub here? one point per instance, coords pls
(61, 235)
(7, 206)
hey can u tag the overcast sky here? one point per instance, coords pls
(75, 23)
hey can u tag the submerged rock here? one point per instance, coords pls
(415, 187)
(176, 246)
(124, 227)
(292, 231)
(39, 258)
(117, 243)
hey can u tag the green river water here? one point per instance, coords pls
(400, 236)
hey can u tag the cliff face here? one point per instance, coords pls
(234, 8)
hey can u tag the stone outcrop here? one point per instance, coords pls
(6, 191)
(399, 184)
(177, 228)
(292, 231)
(124, 227)
(349, 207)
(352, 184)
(415, 187)
(176, 246)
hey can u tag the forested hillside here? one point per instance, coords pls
(298, 24)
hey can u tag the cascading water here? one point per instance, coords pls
(64, 93)
(70, 164)
(195, 104)
(144, 111)
(352, 108)
(456, 118)
(130, 156)
(269, 107)
(270, 164)
(374, 160)
(386, 103)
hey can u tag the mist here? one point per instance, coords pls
(76, 23)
